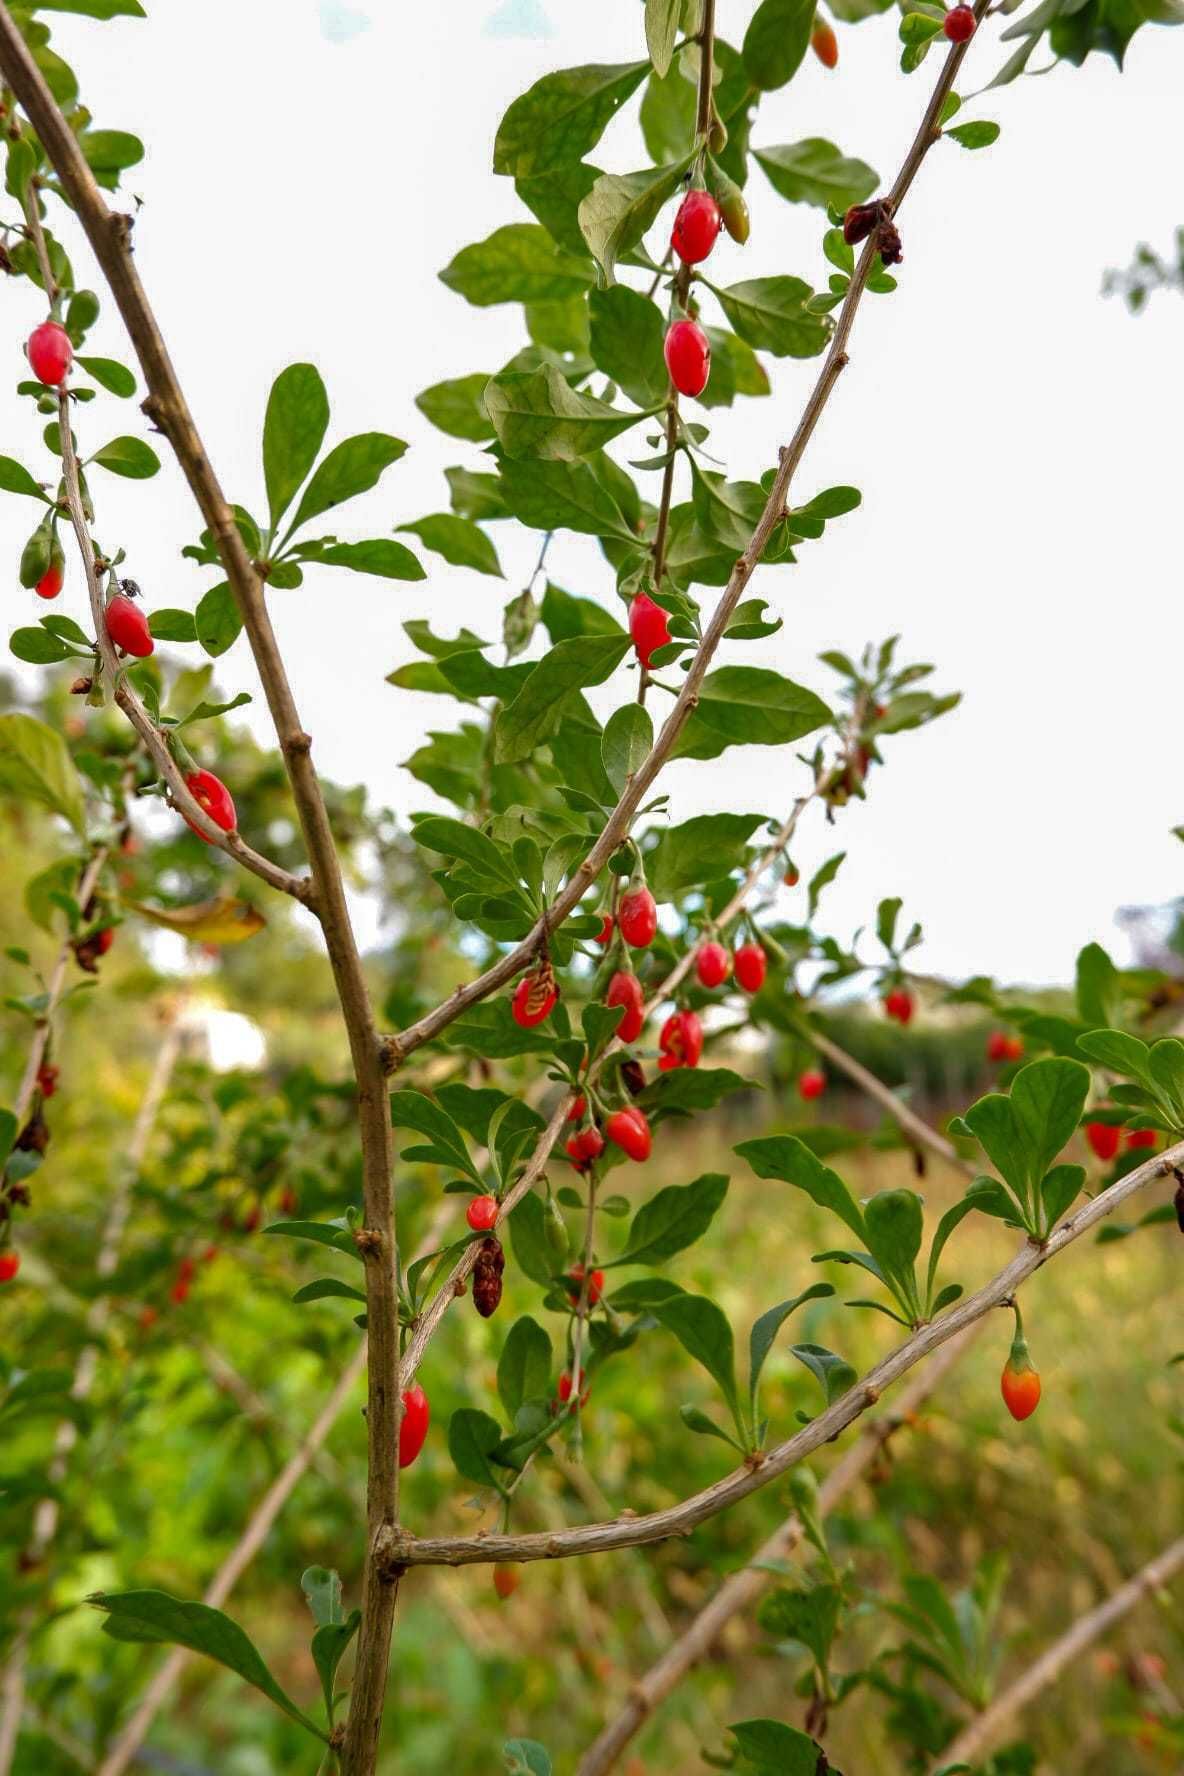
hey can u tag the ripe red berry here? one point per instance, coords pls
(812, 1084)
(825, 44)
(696, 227)
(179, 1293)
(534, 997)
(688, 357)
(564, 1389)
(213, 798)
(959, 24)
(481, 1213)
(578, 1109)
(637, 917)
(750, 963)
(1103, 1137)
(792, 877)
(414, 1428)
(10, 1263)
(681, 1041)
(103, 939)
(1020, 1388)
(47, 1080)
(575, 1279)
(998, 1045)
(650, 628)
(583, 1148)
(898, 1004)
(127, 626)
(49, 352)
(1142, 1138)
(713, 965)
(625, 989)
(50, 583)
(1015, 1048)
(606, 930)
(506, 1580)
(629, 1130)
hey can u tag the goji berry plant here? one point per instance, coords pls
(581, 970)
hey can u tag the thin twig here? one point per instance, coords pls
(680, 1519)
(53, 991)
(969, 1745)
(739, 1592)
(913, 1125)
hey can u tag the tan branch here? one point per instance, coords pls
(914, 1126)
(681, 1519)
(739, 1592)
(973, 1741)
(54, 988)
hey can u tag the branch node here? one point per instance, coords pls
(367, 1240)
(390, 1054)
(296, 744)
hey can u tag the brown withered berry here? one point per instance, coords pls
(487, 1277)
(633, 1077)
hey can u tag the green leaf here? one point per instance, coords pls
(528, 1237)
(413, 1110)
(834, 1375)
(526, 1757)
(294, 429)
(1099, 988)
(815, 172)
(517, 263)
(453, 838)
(561, 496)
(773, 1749)
(626, 743)
(974, 135)
(945, 1228)
(328, 1647)
(893, 1222)
(109, 375)
(1118, 1051)
(562, 116)
(703, 849)
(111, 151)
(790, 1160)
(673, 1220)
(538, 414)
(622, 207)
(1058, 1190)
(661, 30)
(626, 335)
(474, 496)
(38, 647)
(129, 457)
(217, 620)
(810, 1616)
(458, 407)
(472, 1438)
(351, 467)
(458, 540)
(320, 1233)
(172, 625)
(14, 478)
(566, 616)
(1048, 1097)
(328, 1289)
(749, 705)
(155, 1616)
(524, 1367)
(777, 38)
(765, 1330)
(35, 765)
(554, 197)
(535, 712)
(381, 556)
(770, 314)
(702, 1329)
(693, 1088)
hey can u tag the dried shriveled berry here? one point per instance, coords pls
(633, 1077)
(47, 1079)
(487, 1276)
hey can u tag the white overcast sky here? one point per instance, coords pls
(310, 168)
